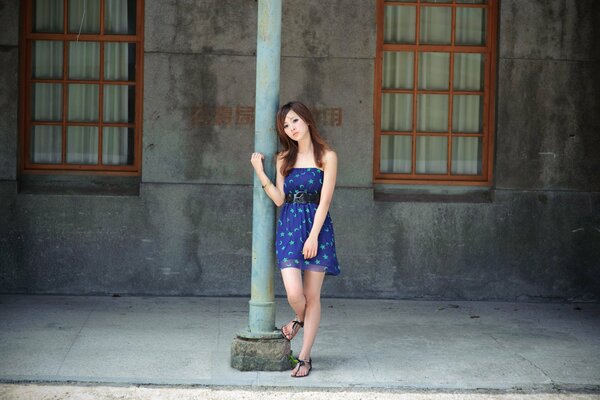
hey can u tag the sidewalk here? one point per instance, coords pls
(362, 344)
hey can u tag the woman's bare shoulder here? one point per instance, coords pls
(329, 156)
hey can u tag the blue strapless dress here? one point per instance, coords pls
(295, 222)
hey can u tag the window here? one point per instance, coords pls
(434, 91)
(81, 86)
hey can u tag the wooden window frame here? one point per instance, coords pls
(27, 81)
(490, 53)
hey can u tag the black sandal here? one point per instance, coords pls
(300, 364)
(296, 325)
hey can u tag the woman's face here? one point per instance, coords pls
(295, 127)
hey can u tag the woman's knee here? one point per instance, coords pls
(295, 297)
(312, 299)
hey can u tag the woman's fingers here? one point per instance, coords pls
(256, 160)
(309, 252)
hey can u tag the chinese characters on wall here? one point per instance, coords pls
(207, 115)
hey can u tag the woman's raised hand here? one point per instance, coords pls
(257, 161)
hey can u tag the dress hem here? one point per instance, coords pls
(310, 267)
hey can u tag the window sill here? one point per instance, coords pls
(432, 194)
(79, 185)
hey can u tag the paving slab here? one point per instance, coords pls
(399, 345)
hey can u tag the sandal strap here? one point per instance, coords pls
(303, 363)
(296, 322)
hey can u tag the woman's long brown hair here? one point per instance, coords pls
(290, 147)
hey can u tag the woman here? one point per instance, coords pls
(305, 245)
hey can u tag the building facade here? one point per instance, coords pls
(496, 197)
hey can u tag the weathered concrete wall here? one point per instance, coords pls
(171, 240)
(200, 55)
(9, 89)
(548, 102)
(189, 230)
(168, 240)
(524, 245)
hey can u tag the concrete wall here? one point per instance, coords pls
(189, 229)
(548, 102)
(9, 90)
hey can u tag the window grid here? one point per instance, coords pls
(27, 81)
(486, 134)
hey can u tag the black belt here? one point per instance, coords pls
(302, 197)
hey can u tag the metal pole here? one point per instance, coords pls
(268, 55)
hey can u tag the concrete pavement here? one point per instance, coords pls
(92, 392)
(396, 345)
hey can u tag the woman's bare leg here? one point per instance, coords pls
(292, 280)
(313, 281)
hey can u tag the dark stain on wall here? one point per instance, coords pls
(192, 247)
(312, 92)
(199, 92)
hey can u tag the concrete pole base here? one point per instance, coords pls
(260, 354)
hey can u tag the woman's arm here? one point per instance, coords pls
(275, 193)
(330, 174)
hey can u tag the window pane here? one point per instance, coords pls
(396, 112)
(46, 102)
(396, 154)
(436, 25)
(400, 24)
(83, 103)
(46, 144)
(119, 61)
(82, 145)
(119, 17)
(117, 146)
(471, 1)
(47, 59)
(467, 115)
(84, 16)
(398, 70)
(468, 71)
(466, 156)
(119, 103)
(432, 155)
(470, 26)
(84, 60)
(48, 16)
(436, 1)
(432, 113)
(434, 71)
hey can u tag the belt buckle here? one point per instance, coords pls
(299, 197)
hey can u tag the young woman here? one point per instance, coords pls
(305, 246)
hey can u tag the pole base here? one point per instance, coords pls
(260, 354)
